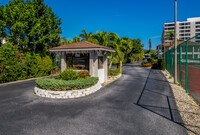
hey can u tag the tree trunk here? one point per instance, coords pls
(120, 67)
(111, 62)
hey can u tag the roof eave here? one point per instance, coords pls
(82, 49)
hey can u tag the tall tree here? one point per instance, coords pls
(2, 25)
(117, 44)
(85, 36)
(149, 44)
(31, 25)
(63, 41)
(102, 37)
(76, 39)
(170, 36)
(127, 46)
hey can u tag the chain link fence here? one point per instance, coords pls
(188, 65)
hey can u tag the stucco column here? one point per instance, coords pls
(63, 64)
(95, 64)
(105, 66)
(91, 63)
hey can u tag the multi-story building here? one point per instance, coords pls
(185, 30)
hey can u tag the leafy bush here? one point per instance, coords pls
(83, 74)
(68, 74)
(62, 85)
(44, 65)
(15, 65)
(11, 64)
(161, 64)
(154, 61)
(146, 64)
(113, 72)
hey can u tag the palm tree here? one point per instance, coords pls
(63, 41)
(170, 36)
(112, 44)
(102, 37)
(127, 46)
(85, 36)
(76, 39)
(69, 41)
(117, 44)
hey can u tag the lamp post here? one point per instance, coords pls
(175, 43)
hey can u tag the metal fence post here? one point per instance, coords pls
(186, 68)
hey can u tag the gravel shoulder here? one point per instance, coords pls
(188, 108)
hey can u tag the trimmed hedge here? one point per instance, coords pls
(113, 72)
(161, 64)
(68, 74)
(62, 85)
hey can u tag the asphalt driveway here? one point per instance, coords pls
(140, 102)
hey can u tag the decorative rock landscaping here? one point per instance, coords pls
(68, 93)
(188, 108)
(111, 79)
(114, 77)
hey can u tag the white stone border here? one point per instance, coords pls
(114, 77)
(68, 93)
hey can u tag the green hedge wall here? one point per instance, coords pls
(62, 85)
(15, 65)
(161, 64)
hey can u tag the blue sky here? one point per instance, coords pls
(142, 19)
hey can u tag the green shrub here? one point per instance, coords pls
(44, 65)
(31, 65)
(113, 72)
(83, 74)
(154, 61)
(11, 64)
(62, 85)
(146, 64)
(15, 65)
(161, 64)
(68, 74)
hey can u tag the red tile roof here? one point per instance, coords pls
(81, 45)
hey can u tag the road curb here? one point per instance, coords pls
(30, 79)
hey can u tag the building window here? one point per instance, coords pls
(198, 30)
(197, 22)
(100, 62)
(197, 26)
(168, 25)
(187, 23)
(78, 61)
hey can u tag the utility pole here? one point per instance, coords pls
(149, 44)
(175, 43)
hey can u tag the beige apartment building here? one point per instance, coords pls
(185, 30)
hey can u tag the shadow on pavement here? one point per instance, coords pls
(157, 87)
